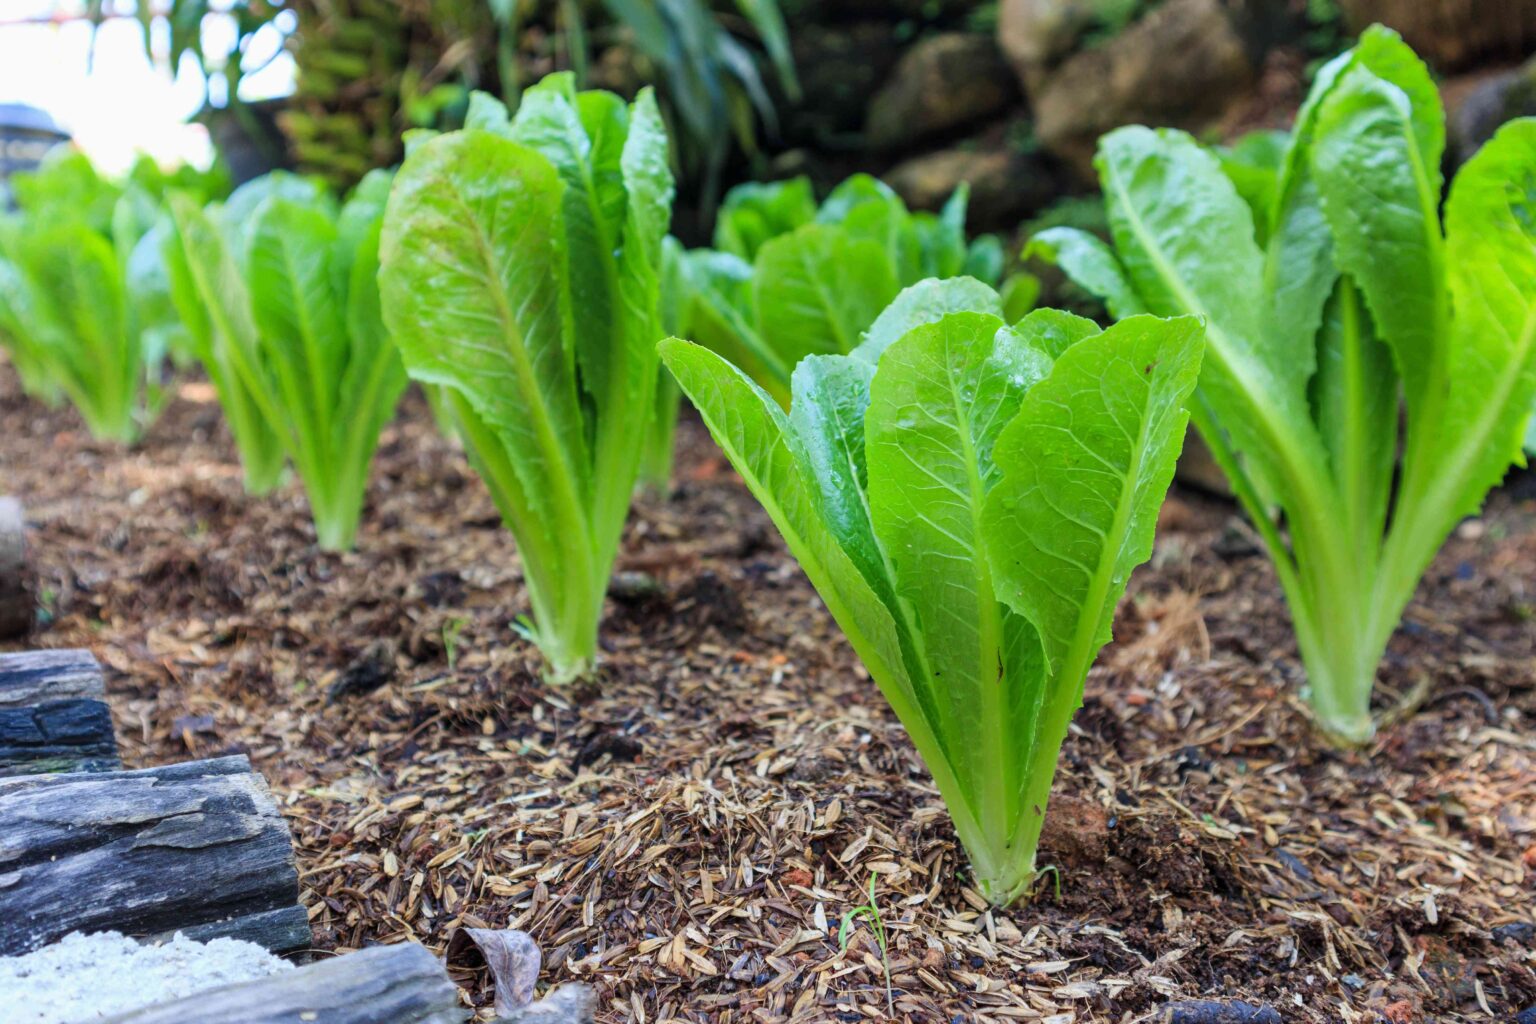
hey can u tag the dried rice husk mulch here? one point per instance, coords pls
(687, 832)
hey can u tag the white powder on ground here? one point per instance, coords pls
(84, 978)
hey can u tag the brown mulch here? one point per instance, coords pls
(688, 832)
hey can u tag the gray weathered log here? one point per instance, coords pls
(402, 984)
(16, 605)
(53, 714)
(33, 677)
(197, 847)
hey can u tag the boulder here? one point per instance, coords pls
(1476, 105)
(620, 68)
(1035, 35)
(840, 68)
(1452, 34)
(1006, 184)
(1183, 64)
(832, 11)
(945, 82)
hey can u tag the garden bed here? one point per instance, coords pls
(688, 833)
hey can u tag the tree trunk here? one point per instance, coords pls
(53, 714)
(196, 847)
(15, 583)
(401, 984)
(1453, 34)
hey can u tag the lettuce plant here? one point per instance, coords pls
(204, 256)
(83, 312)
(521, 269)
(1339, 304)
(969, 498)
(787, 278)
(292, 332)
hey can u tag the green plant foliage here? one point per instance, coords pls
(969, 498)
(279, 289)
(85, 311)
(368, 68)
(65, 318)
(787, 279)
(820, 276)
(521, 272)
(203, 255)
(1330, 286)
(656, 462)
(708, 79)
(870, 913)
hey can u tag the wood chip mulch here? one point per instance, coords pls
(688, 832)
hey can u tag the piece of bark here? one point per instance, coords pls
(569, 1004)
(53, 714)
(16, 605)
(403, 984)
(196, 847)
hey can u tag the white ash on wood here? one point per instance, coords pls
(197, 847)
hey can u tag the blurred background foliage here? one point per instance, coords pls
(370, 69)
(1007, 96)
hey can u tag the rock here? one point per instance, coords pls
(1205, 1011)
(1238, 540)
(620, 69)
(634, 588)
(1197, 467)
(1452, 34)
(829, 11)
(1180, 65)
(840, 68)
(1036, 34)
(944, 83)
(1521, 933)
(1005, 183)
(1476, 105)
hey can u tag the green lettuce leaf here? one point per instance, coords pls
(817, 289)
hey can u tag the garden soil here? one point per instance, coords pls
(688, 831)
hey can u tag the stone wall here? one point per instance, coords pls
(920, 94)
(1012, 95)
